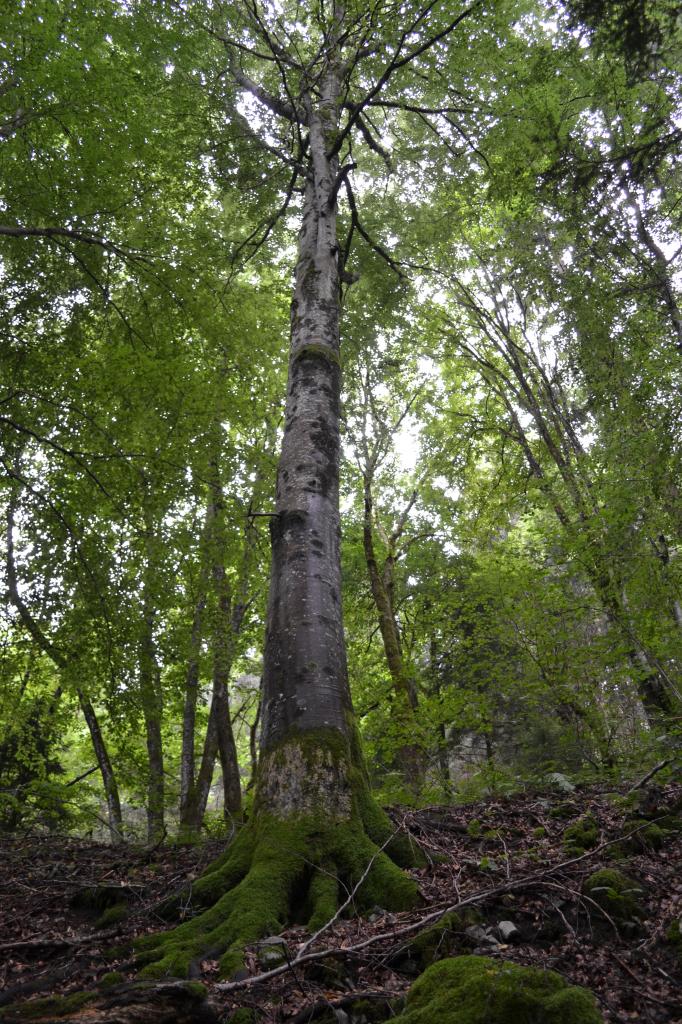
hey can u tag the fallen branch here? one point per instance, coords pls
(57, 942)
(649, 775)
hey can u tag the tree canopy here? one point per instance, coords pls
(454, 230)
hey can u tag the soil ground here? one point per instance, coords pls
(54, 941)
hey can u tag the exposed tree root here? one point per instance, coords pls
(290, 867)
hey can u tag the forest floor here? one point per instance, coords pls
(507, 856)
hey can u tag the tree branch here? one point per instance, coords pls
(22, 231)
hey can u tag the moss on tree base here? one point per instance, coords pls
(293, 863)
(479, 990)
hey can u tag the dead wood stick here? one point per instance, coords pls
(55, 942)
(649, 775)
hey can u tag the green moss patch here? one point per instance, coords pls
(112, 916)
(564, 810)
(111, 979)
(52, 1007)
(615, 893)
(581, 836)
(650, 837)
(673, 934)
(479, 990)
(474, 829)
(244, 1015)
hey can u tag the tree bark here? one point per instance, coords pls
(305, 682)
(227, 624)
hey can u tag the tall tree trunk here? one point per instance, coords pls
(315, 831)
(305, 684)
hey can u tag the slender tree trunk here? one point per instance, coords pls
(219, 739)
(152, 708)
(227, 625)
(59, 660)
(151, 696)
(105, 768)
(192, 676)
(410, 757)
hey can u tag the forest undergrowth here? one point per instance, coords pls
(519, 871)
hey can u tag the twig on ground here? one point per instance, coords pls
(649, 775)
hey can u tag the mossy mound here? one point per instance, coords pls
(673, 934)
(650, 837)
(479, 990)
(615, 893)
(581, 836)
(51, 1007)
(566, 809)
(111, 979)
(116, 914)
(439, 940)
(294, 866)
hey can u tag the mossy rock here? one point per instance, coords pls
(112, 916)
(650, 837)
(97, 898)
(581, 836)
(437, 941)
(479, 990)
(111, 979)
(615, 893)
(564, 810)
(49, 1008)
